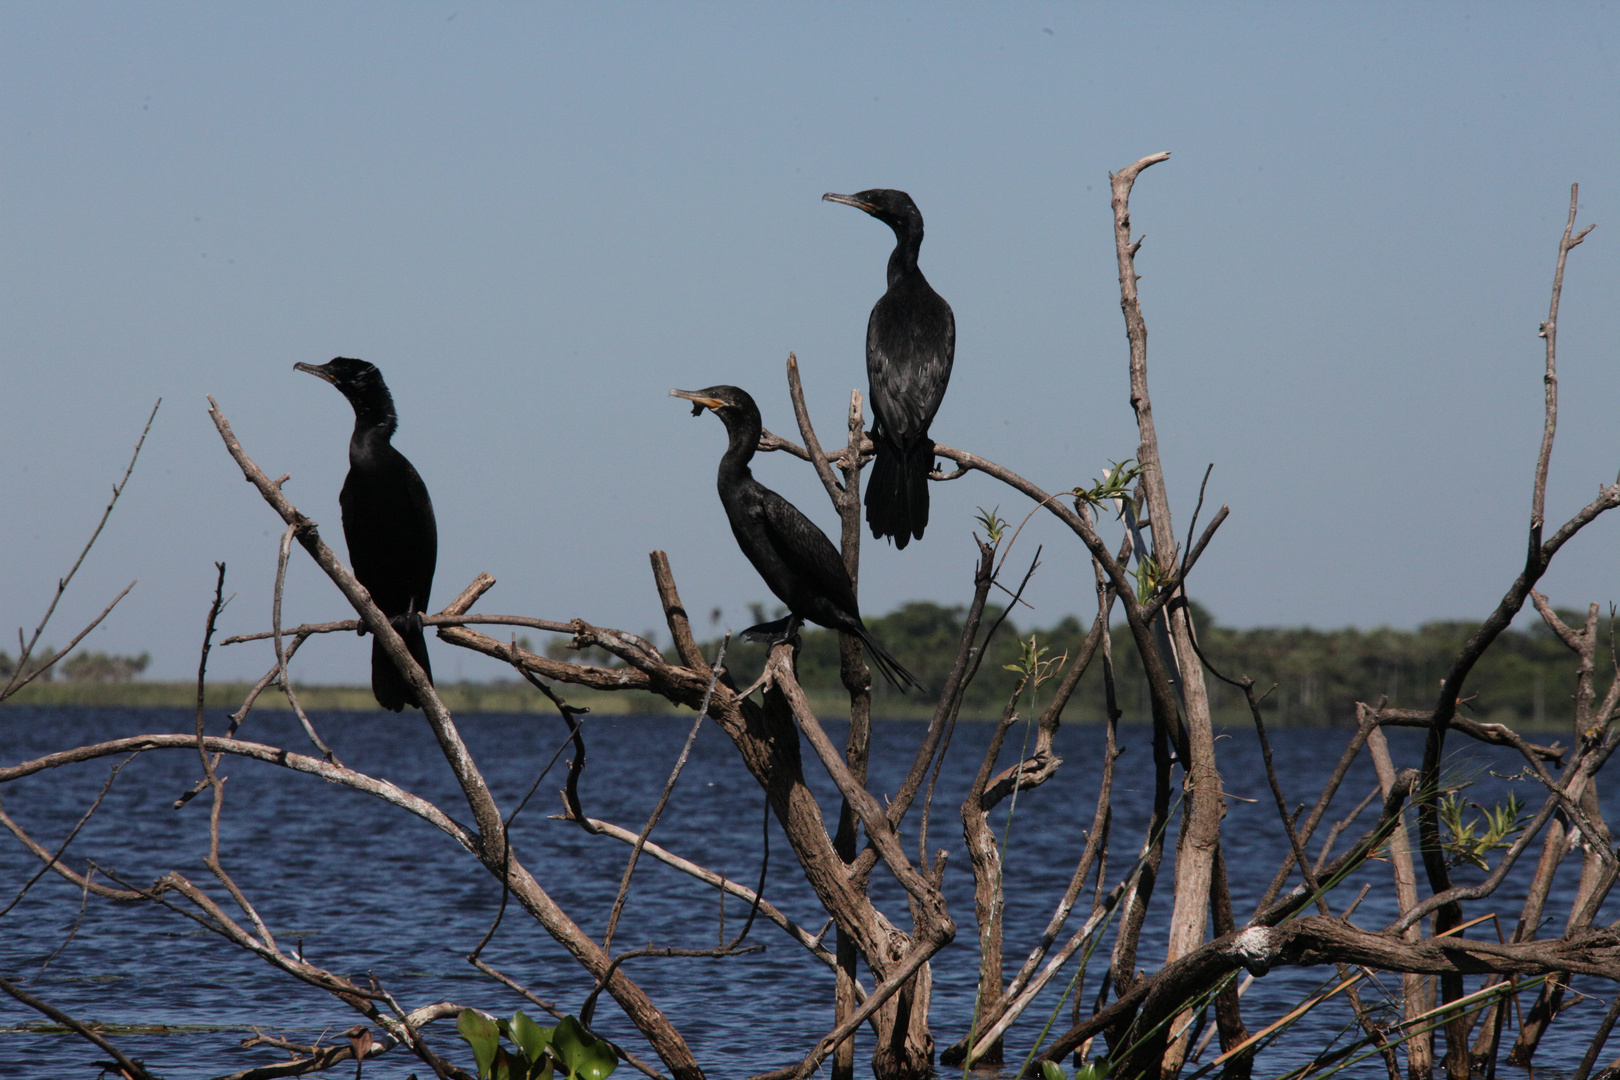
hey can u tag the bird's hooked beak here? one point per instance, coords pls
(699, 402)
(849, 200)
(319, 372)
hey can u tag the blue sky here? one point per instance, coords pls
(537, 219)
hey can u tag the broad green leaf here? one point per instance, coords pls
(584, 1055)
(1051, 1070)
(530, 1036)
(483, 1035)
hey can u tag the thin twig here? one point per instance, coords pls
(663, 799)
(78, 920)
(18, 680)
(83, 821)
(132, 1069)
(281, 654)
(568, 712)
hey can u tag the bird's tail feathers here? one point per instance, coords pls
(884, 661)
(897, 494)
(388, 685)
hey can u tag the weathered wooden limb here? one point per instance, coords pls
(1595, 883)
(1414, 988)
(1205, 804)
(1556, 843)
(993, 1028)
(131, 1069)
(926, 897)
(908, 1047)
(801, 413)
(640, 841)
(1389, 817)
(969, 654)
(1312, 880)
(857, 680)
(475, 791)
(302, 763)
(1346, 758)
(989, 899)
(1538, 556)
(1012, 1001)
(490, 839)
(1491, 734)
(675, 617)
(1228, 1009)
(1549, 334)
(1316, 940)
(321, 1058)
(811, 942)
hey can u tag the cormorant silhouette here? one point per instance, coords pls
(910, 343)
(797, 561)
(387, 522)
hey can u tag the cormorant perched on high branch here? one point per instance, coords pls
(387, 521)
(795, 558)
(910, 342)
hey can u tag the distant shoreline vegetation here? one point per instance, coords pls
(1527, 678)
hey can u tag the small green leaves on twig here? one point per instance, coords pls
(1033, 666)
(993, 524)
(1114, 485)
(1150, 577)
(1471, 841)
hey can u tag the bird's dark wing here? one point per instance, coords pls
(910, 345)
(808, 554)
(426, 528)
(392, 536)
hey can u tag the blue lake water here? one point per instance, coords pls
(370, 888)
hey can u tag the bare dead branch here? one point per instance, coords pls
(18, 679)
(811, 942)
(73, 932)
(1314, 940)
(807, 431)
(56, 856)
(281, 653)
(663, 799)
(675, 617)
(1549, 332)
(132, 1069)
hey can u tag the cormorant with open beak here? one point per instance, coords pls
(797, 561)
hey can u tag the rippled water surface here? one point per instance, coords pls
(368, 888)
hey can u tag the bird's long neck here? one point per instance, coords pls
(744, 432)
(374, 421)
(903, 260)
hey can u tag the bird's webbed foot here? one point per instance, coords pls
(774, 632)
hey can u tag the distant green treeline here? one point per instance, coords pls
(1526, 679)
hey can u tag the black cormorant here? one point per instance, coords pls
(387, 521)
(910, 342)
(795, 558)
